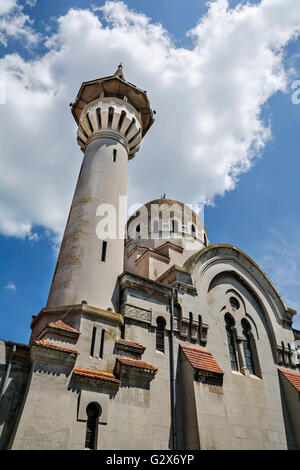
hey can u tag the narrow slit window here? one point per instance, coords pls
(102, 344)
(114, 155)
(93, 341)
(104, 249)
(190, 325)
(160, 334)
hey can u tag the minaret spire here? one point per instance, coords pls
(119, 72)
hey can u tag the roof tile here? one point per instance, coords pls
(292, 377)
(201, 359)
(136, 363)
(125, 342)
(44, 343)
(60, 325)
(96, 374)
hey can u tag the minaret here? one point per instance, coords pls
(112, 116)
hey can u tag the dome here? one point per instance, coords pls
(160, 234)
(163, 219)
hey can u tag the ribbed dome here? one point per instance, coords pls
(160, 217)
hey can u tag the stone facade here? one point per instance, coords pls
(207, 312)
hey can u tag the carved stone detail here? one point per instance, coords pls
(203, 333)
(136, 313)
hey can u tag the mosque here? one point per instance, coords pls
(152, 338)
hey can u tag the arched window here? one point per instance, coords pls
(155, 229)
(93, 414)
(231, 342)
(138, 231)
(193, 231)
(160, 334)
(247, 347)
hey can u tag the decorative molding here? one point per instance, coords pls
(136, 313)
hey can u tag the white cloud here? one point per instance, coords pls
(208, 100)
(31, 3)
(14, 24)
(11, 286)
(7, 6)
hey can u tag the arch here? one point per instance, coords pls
(160, 334)
(237, 263)
(93, 411)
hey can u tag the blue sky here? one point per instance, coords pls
(256, 210)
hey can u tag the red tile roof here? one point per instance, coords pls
(292, 377)
(201, 359)
(126, 342)
(136, 363)
(97, 374)
(44, 343)
(60, 325)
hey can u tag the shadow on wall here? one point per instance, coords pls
(11, 403)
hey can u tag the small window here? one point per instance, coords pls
(174, 226)
(190, 325)
(114, 155)
(234, 303)
(199, 328)
(93, 341)
(91, 436)
(193, 231)
(160, 334)
(138, 231)
(205, 240)
(104, 248)
(102, 344)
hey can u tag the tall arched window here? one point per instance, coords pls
(91, 436)
(155, 229)
(160, 334)
(231, 342)
(247, 347)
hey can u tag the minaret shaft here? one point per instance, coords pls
(81, 274)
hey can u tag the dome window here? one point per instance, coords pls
(234, 303)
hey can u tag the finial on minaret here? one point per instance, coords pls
(119, 72)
